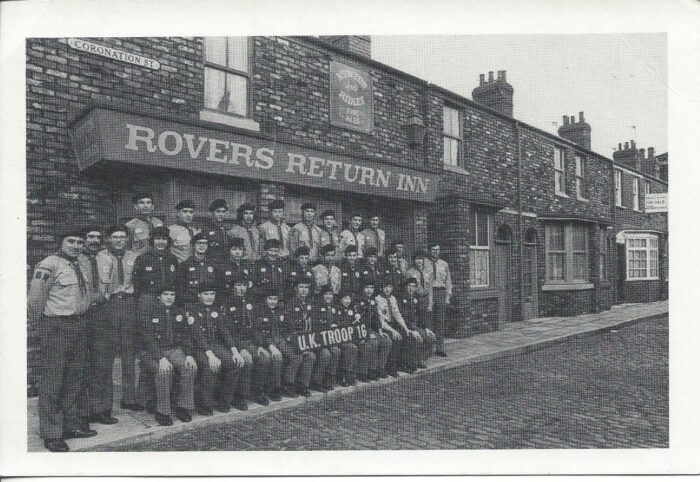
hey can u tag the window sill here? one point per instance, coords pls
(583, 199)
(567, 286)
(561, 194)
(229, 120)
(620, 207)
(642, 279)
(455, 169)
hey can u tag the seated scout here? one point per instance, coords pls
(267, 340)
(379, 341)
(166, 340)
(297, 319)
(218, 361)
(326, 273)
(235, 268)
(416, 317)
(412, 343)
(301, 268)
(323, 318)
(348, 315)
(392, 323)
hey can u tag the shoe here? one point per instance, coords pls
(363, 378)
(151, 407)
(441, 353)
(410, 369)
(222, 407)
(345, 382)
(382, 373)
(274, 396)
(163, 420)
(134, 407)
(206, 411)
(393, 373)
(104, 418)
(79, 434)
(183, 414)
(289, 392)
(303, 391)
(239, 404)
(56, 445)
(261, 400)
(316, 387)
(422, 365)
(328, 387)
(351, 382)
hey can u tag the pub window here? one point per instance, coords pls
(642, 256)
(635, 193)
(566, 253)
(618, 188)
(452, 137)
(479, 250)
(226, 75)
(559, 171)
(580, 177)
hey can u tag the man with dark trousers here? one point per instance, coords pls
(217, 230)
(197, 270)
(347, 315)
(235, 268)
(57, 300)
(297, 319)
(330, 233)
(269, 273)
(442, 295)
(416, 317)
(323, 317)
(268, 338)
(351, 272)
(379, 343)
(306, 233)
(217, 363)
(392, 270)
(167, 348)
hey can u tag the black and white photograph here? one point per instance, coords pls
(262, 241)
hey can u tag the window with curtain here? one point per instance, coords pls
(642, 256)
(566, 253)
(479, 257)
(226, 74)
(559, 171)
(452, 137)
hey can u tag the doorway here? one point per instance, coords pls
(530, 306)
(503, 273)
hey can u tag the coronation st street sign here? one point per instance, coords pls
(112, 53)
(104, 135)
(331, 337)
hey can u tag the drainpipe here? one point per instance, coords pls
(521, 249)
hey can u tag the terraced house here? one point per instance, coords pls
(532, 224)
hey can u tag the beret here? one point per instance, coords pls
(218, 203)
(268, 290)
(72, 231)
(236, 243)
(207, 286)
(272, 243)
(302, 251)
(141, 195)
(327, 248)
(168, 287)
(350, 248)
(114, 228)
(421, 253)
(246, 207)
(328, 212)
(187, 203)
(302, 280)
(92, 229)
(201, 236)
(276, 204)
(410, 280)
(327, 289)
(371, 251)
(306, 206)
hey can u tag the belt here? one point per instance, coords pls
(121, 296)
(439, 288)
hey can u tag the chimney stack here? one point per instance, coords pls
(491, 76)
(627, 146)
(577, 132)
(630, 156)
(481, 79)
(355, 44)
(650, 152)
(495, 94)
(619, 146)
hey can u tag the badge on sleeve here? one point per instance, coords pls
(178, 318)
(248, 307)
(228, 273)
(333, 310)
(190, 320)
(357, 274)
(350, 312)
(357, 316)
(210, 269)
(42, 275)
(214, 314)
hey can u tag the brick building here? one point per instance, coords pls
(529, 221)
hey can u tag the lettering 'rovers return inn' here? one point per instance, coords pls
(531, 223)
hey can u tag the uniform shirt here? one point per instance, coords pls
(425, 285)
(193, 273)
(219, 237)
(376, 238)
(88, 263)
(303, 234)
(375, 272)
(108, 267)
(251, 240)
(324, 316)
(331, 237)
(389, 313)
(240, 315)
(270, 230)
(268, 274)
(348, 315)
(269, 325)
(55, 289)
(323, 275)
(153, 270)
(140, 231)
(162, 327)
(181, 235)
(410, 309)
(298, 271)
(441, 274)
(230, 271)
(367, 308)
(298, 316)
(351, 237)
(394, 274)
(351, 276)
(208, 327)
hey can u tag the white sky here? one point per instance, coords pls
(617, 80)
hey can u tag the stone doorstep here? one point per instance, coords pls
(139, 426)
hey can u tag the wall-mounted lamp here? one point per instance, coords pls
(415, 130)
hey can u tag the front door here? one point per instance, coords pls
(503, 265)
(530, 307)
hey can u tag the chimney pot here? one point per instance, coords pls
(490, 75)
(619, 146)
(501, 75)
(641, 152)
(580, 116)
(633, 144)
(573, 119)
(627, 145)
(481, 79)
(651, 152)
(566, 120)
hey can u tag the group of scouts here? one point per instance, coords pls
(219, 307)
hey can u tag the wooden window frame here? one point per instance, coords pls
(247, 75)
(475, 247)
(568, 251)
(449, 136)
(651, 254)
(560, 171)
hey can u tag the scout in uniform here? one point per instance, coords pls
(97, 329)
(413, 345)
(218, 231)
(392, 270)
(351, 272)
(241, 318)
(400, 248)
(156, 267)
(394, 324)
(245, 229)
(306, 233)
(442, 294)
(196, 271)
(329, 232)
(218, 360)
(323, 317)
(276, 228)
(268, 329)
(371, 267)
(416, 318)
(269, 273)
(353, 236)
(142, 225)
(297, 319)
(379, 343)
(327, 274)
(116, 265)
(182, 231)
(57, 300)
(375, 236)
(167, 348)
(300, 268)
(235, 268)
(348, 315)
(424, 280)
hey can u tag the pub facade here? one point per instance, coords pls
(526, 219)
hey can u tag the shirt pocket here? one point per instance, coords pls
(67, 278)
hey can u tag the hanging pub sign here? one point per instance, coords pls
(103, 136)
(351, 97)
(112, 53)
(326, 338)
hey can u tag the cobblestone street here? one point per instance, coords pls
(604, 391)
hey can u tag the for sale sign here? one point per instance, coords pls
(326, 338)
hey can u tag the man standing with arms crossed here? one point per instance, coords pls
(306, 233)
(182, 231)
(276, 228)
(442, 294)
(141, 227)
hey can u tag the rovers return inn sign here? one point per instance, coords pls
(104, 135)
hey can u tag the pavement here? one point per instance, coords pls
(511, 339)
